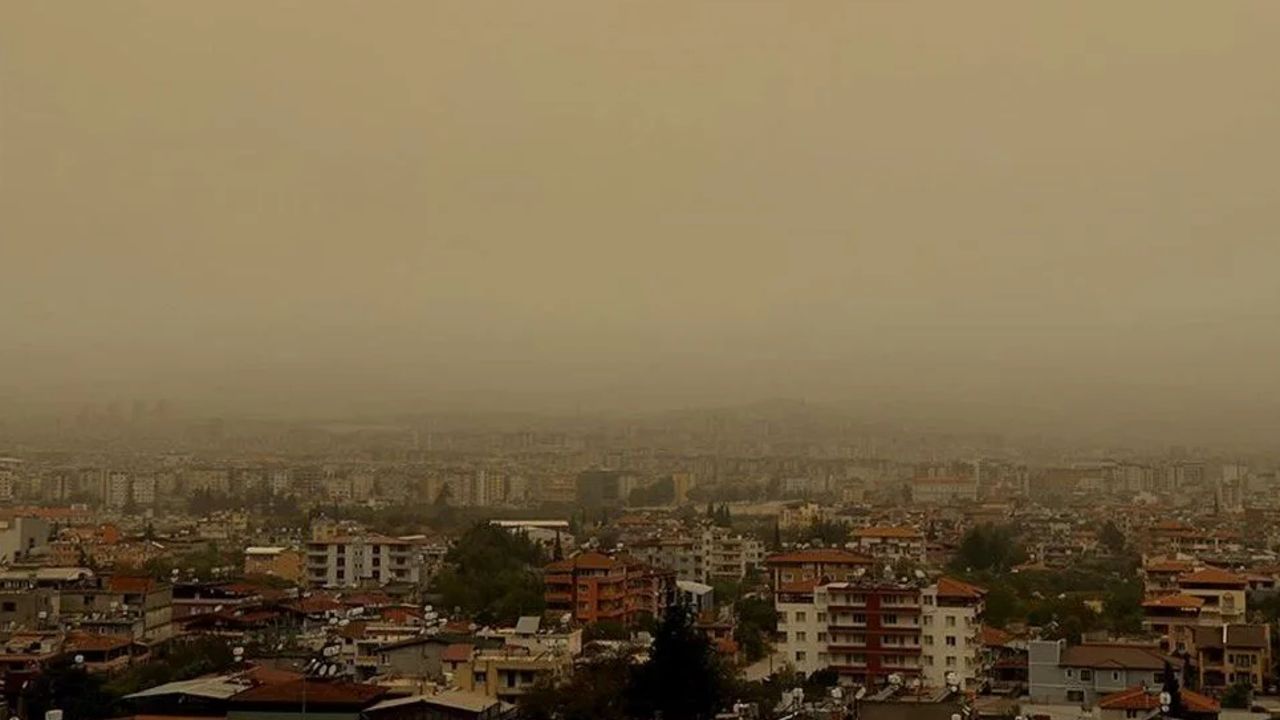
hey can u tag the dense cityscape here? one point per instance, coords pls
(639, 360)
(770, 560)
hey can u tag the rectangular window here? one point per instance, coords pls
(800, 636)
(951, 621)
(1075, 696)
(799, 616)
(1086, 676)
(951, 641)
(822, 637)
(799, 656)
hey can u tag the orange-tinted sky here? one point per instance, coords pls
(982, 210)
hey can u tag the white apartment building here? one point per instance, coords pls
(116, 489)
(144, 490)
(866, 630)
(352, 561)
(713, 554)
(889, 544)
(869, 629)
(952, 632)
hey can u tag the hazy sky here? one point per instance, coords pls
(1062, 210)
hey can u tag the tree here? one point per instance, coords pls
(683, 679)
(757, 621)
(63, 686)
(988, 547)
(1238, 696)
(596, 691)
(492, 575)
(1112, 538)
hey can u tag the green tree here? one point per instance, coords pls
(683, 679)
(1238, 696)
(1112, 538)
(492, 575)
(988, 547)
(63, 686)
(756, 622)
(598, 690)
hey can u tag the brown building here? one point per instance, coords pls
(595, 587)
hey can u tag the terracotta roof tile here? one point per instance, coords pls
(952, 588)
(1214, 576)
(1139, 698)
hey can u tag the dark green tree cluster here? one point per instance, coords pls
(719, 514)
(682, 680)
(757, 621)
(90, 696)
(988, 547)
(493, 575)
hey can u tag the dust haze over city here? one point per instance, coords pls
(976, 299)
(973, 216)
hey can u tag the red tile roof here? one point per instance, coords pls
(1175, 601)
(93, 641)
(995, 637)
(1104, 655)
(130, 584)
(457, 652)
(1214, 576)
(590, 560)
(952, 588)
(316, 692)
(1138, 698)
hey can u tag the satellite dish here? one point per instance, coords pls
(861, 693)
(837, 693)
(952, 678)
(79, 659)
(895, 680)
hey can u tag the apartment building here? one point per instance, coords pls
(1230, 654)
(1223, 594)
(890, 544)
(864, 629)
(818, 564)
(595, 587)
(355, 560)
(951, 636)
(712, 554)
(140, 608)
(944, 490)
(507, 673)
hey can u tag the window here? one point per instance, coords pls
(800, 616)
(928, 660)
(951, 621)
(1157, 678)
(928, 620)
(511, 679)
(800, 636)
(9, 606)
(1086, 676)
(1115, 676)
(822, 617)
(1075, 696)
(1070, 673)
(822, 637)
(890, 619)
(928, 639)
(951, 661)
(799, 656)
(951, 641)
